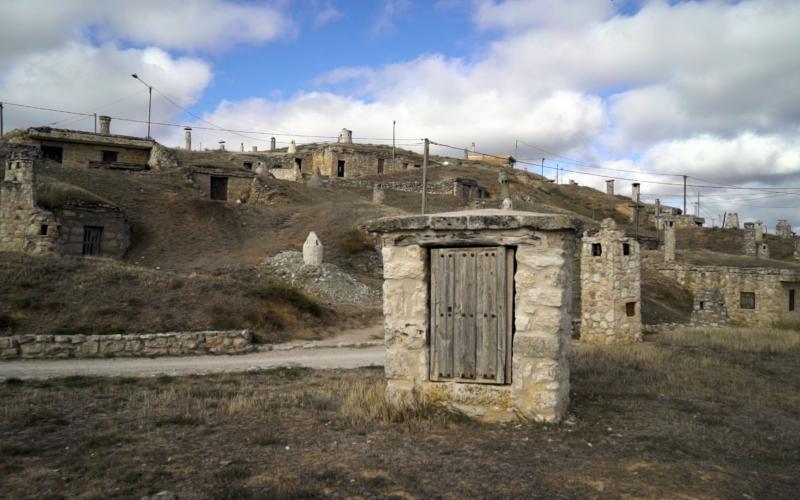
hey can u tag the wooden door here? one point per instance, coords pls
(91, 240)
(219, 188)
(470, 314)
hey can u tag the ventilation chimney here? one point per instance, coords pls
(187, 138)
(105, 125)
(610, 187)
(346, 136)
(272, 144)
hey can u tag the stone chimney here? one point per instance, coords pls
(255, 149)
(669, 240)
(635, 192)
(187, 138)
(472, 147)
(292, 149)
(272, 144)
(241, 147)
(222, 145)
(346, 136)
(312, 250)
(732, 221)
(378, 194)
(105, 125)
(610, 187)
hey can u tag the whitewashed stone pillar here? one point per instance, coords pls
(312, 250)
(610, 187)
(272, 144)
(105, 125)
(378, 194)
(187, 138)
(292, 149)
(669, 240)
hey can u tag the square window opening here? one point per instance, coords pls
(626, 249)
(43, 230)
(248, 165)
(54, 153)
(702, 305)
(597, 250)
(747, 300)
(110, 156)
(630, 309)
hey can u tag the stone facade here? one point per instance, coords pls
(753, 243)
(237, 184)
(669, 240)
(115, 231)
(465, 189)
(24, 227)
(130, 345)
(709, 308)
(770, 289)
(611, 295)
(544, 245)
(783, 229)
(732, 221)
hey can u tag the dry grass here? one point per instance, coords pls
(701, 413)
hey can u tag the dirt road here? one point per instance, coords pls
(324, 354)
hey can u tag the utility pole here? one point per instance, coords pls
(516, 146)
(557, 169)
(95, 123)
(149, 101)
(698, 203)
(425, 176)
(684, 195)
(394, 163)
(542, 167)
(1, 119)
(636, 201)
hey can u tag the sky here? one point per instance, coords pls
(636, 90)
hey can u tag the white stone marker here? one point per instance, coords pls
(312, 250)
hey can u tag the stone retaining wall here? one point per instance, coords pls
(132, 345)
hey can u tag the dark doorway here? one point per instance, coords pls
(299, 163)
(340, 168)
(110, 155)
(248, 165)
(91, 239)
(54, 153)
(791, 299)
(380, 165)
(219, 188)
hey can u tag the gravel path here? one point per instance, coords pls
(356, 352)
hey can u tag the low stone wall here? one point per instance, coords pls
(439, 187)
(132, 345)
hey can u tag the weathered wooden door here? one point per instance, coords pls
(219, 188)
(91, 240)
(471, 314)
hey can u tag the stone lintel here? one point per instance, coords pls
(484, 219)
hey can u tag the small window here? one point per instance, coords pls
(597, 250)
(340, 168)
(630, 309)
(405, 165)
(54, 153)
(702, 305)
(299, 163)
(43, 230)
(791, 299)
(110, 156)
(380, 165)
(417, 165)
(248, 165)
(626, 249)
(747, 300)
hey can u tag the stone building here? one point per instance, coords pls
(477, 311)
(709, 308)
(783, 229)
(753, 242)
(223, 184)
(75, 148)
(611, 295)
(66, 220)
(731, 221)
(752, 296)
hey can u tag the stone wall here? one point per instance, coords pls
(359, 162)
(132, 345)
(770, 287)
(610, 287)
(24, 227)
(116, 233)
(709, 308)
(545, 245)
(81, 155)
(239, 184)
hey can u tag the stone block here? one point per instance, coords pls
(406, 262)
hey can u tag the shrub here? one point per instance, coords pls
(298, 300)
(354, 242)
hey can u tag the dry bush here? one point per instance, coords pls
(737, 339)
(354, 242)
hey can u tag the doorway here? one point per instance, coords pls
(92, 235)
(219, 188)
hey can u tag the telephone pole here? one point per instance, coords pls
(149, 100)
(425, 176)
(542, 167)
(698, 203)
(1, 119)
(684, 195)
(394, 163)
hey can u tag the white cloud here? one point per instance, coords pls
(326, 15)
(83, 78)
(522, 14)
(386, 18)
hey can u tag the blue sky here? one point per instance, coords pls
(710, 89)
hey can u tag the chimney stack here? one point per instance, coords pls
(187, 138)
(610, 187)
(105, 125)
(272, 144)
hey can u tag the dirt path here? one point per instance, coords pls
(359, 350)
